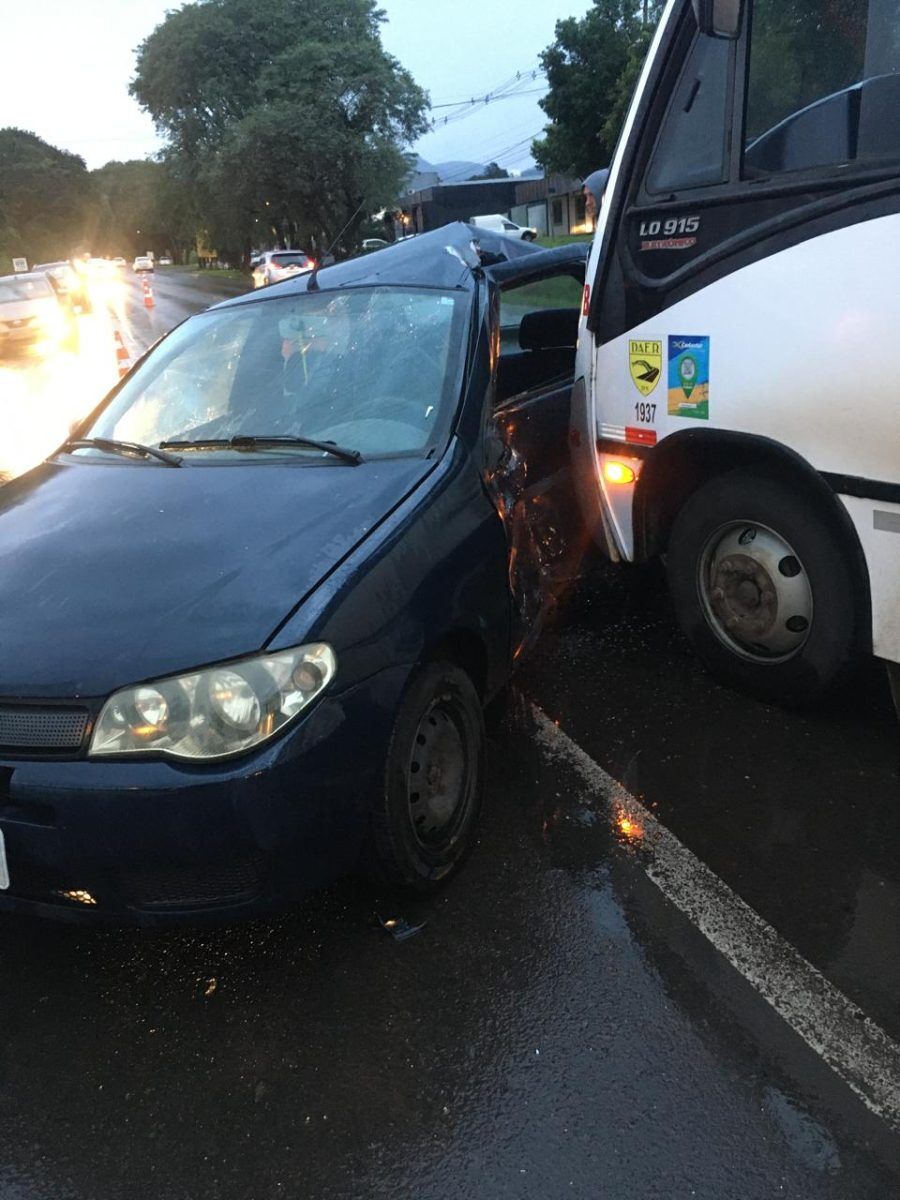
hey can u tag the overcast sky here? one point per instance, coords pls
(455, 49)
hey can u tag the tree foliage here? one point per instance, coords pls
(143, 205)
(286, 117)
(592, 68)
(46, 199)
(492, 171)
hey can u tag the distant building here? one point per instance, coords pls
(421, 181)
(552, 205)
(441, 203)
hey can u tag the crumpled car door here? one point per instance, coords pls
(530, 480)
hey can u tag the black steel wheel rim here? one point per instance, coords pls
(441, 775)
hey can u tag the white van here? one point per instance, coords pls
(736, 409)
(497, 223)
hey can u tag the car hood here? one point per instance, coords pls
(113, 574)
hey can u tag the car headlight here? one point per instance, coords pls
(217, 712)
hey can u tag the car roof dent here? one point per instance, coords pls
(455, 256)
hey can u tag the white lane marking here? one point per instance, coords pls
(855, 1047)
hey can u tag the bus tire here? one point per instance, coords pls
(764, 588)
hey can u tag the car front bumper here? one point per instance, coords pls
(156, 842)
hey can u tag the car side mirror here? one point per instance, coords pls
(720, 18)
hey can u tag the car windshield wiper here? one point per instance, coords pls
(113, 446)
(262, 442)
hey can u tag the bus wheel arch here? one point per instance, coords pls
(693, 496)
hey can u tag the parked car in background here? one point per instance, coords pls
(313, 702)
(143, 263)
(165, 261)
(497, 223)
(101, 268)
(68, 283)
(275, 265)
(375, 243)
(33, 316)
(119, 261)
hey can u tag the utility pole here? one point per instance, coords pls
(646, 11)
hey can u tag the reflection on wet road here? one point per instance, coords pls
(41, 395)
(798, 813)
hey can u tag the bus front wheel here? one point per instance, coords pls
(764, 588)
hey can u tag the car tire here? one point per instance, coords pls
(529, 237)
(425, 821)
(764, 588)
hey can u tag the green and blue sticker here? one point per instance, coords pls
(689, 377)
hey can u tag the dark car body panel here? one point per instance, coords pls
(137, 565)
(155, 842)
(118, 573)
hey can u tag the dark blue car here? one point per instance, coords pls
(251, 614)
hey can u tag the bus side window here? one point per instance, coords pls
(691, 150)
(822, 88)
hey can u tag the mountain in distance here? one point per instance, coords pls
(457, 169)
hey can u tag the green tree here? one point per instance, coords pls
(492, 171)
(288, 117)
(46, 199)
(591, 68)
(143, 205)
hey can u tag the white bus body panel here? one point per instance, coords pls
(804, 349)
(878, 526)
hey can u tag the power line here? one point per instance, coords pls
(490, 99)
(515, 85)
(526, 76)
(497, 87)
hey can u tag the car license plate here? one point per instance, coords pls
(4, 869)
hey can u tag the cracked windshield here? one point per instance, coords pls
(450, 600)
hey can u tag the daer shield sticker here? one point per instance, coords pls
(645, 361)
(689, 377)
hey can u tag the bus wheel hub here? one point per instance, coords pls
(755, 592)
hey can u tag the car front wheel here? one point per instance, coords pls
(426, 819)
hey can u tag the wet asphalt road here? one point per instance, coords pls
(553, 1025)
(177, 293)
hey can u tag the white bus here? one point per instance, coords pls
(737, 401)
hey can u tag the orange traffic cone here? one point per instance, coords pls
(148, 293)
(123, 358)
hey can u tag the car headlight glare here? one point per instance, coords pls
(214, 713)
(52, 322)
(151, 708)
(234, 699)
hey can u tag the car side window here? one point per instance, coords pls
(558, 291)
(538, 335)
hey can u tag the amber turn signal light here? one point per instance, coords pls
(616, 472)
